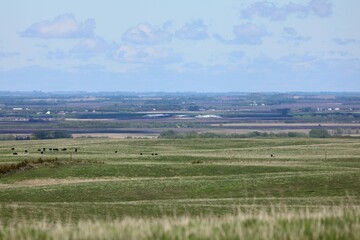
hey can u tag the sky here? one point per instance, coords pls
(180, 46)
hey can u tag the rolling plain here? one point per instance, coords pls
(181, 188)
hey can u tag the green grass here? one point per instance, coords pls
(193, 178)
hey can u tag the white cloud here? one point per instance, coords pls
(85, 49)
(291, 34)
(145, 55)
(321, 8)
(90, 47)
(246, 33)
(195, 30)
(63, 26)
(266, 9)
(299, 62)
(270, 10)
(144, 33)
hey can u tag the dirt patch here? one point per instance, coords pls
(53, 181)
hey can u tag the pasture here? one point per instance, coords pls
(182, 188)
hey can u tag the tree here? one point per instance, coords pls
(284, 111)
(41, 134)
(62, 134)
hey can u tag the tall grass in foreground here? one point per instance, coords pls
(337, 222)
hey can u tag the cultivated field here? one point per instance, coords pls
(183, 188)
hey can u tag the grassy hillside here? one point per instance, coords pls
(308, 186)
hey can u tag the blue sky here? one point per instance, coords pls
(175, 46)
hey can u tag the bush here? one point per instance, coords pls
(319, 133)
(7, 137)
(168, 134)
(296, 134)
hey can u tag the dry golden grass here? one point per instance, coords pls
(278, 222)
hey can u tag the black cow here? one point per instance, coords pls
(115, 151)
(75, 149)
(13, 149)
(272, 155)
(26, 151)
(15, 154)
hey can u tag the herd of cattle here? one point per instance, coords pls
(42, 150)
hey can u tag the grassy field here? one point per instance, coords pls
(184, 188)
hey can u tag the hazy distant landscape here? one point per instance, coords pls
(149, 114)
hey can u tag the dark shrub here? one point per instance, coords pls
(319, 133)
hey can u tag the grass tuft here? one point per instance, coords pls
(197, 162)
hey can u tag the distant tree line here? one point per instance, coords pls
(6, 137)
(314, 133)
(171, 134)
(45, 134)
(325, 117)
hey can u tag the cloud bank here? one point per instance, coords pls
(144, 55)
(195, 30)
(90, 47)
(144, 33)
(266, 9)
(291, 34)
(346, 41)
(63, 26)
(246, 33)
